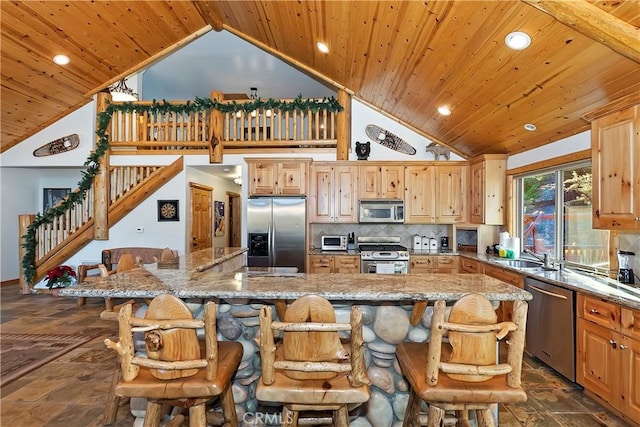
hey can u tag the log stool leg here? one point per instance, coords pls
(198, 416)
(228, 407)
(485, 418)
(436, 415)
(412, 413)
(153, 414)
(342, 417)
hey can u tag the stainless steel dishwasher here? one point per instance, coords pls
(551, 326)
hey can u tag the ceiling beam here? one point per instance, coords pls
(208, 13)
(594, 23)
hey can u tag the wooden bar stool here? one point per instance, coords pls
(463, 375)
(178, 369)
(310, 369)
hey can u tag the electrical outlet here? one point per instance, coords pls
(140, 230)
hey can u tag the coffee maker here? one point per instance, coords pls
(625, 272)
(444, 244)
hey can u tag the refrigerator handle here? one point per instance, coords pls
(272, 253)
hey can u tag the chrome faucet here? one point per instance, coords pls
(546, 261)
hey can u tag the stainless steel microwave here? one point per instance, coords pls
(333, 243)
(382, 210)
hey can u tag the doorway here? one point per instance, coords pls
(201, 216)
(235, 219)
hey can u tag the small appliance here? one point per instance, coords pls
(444, 243)
(433, 245)
(334, 243)
(417, 242)
(381, 211)
(625, 272)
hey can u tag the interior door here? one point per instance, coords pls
(201, 216)
(235, 224)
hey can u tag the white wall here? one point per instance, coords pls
(572, 144)
(362, 115)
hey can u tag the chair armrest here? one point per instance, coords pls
(84, 269)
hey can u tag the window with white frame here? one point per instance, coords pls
(555, 213)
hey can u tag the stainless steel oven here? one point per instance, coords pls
(384, 267)
(383, 255)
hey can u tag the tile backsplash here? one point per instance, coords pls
(404, 231)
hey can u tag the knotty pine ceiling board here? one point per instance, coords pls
(104, 40)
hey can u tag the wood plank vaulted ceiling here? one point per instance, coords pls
(405, 58)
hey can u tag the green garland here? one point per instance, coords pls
(104, 118)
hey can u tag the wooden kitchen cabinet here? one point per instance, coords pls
(608, 353)
(487, 189)
(505, 310)
(333, 192)
(381, 181)
(420, 194)
(270, 177)
(421, 264)
(334, 264)
(436, 193)
(433, 263)
(615, 162)
(471, 266)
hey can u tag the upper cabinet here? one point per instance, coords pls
(420, 194)
(270, 177)
(615, 158)
(436, 193)
(333, 192)
(451, 193)
(381, 181)
(487, 189)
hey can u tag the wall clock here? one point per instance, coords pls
(168, 210)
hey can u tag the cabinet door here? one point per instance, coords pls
(392, 182)
(321, 193)
(630, 323)
(262, 178)
(292, 178)
(598, 360)
(446, 264)
(320, 264)
(346, 264)
(345, 195)
(369, 177)
(421, 264)
(471, 266)
(630, 377)
(420, 200)
(476, 199)
(600, 312)
(451, 193)
(615, 161)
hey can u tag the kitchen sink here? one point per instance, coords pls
(519, 263)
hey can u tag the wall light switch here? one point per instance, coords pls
(140, 230)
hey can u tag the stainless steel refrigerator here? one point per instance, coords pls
(276, 230)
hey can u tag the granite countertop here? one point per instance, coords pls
(185, 280)
(607, 289)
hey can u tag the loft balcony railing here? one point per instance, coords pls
(262, 128)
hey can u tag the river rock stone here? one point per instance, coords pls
(244, 312)
(399, 403)
(386, 356)
(418, 335)
(229, 327)
(250, 322)
(360, 422)
(382, 379)
(402, 384)
(239, 393)
(379, 412)
(382, 347)
(382, 363)
(249, 349)
(368, 314)
(223, 308)
(391, 324)
(367, 334)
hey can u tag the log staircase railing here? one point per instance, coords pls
(70, 231)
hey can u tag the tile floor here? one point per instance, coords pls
(70, 390)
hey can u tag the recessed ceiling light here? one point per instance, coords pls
(322, 47)
(517, 40)
(445, 111)
(530, 127)
(61, 59)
